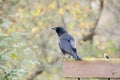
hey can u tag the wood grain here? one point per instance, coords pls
(92, 68)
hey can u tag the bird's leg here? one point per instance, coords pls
(69, 56)
(64, 57)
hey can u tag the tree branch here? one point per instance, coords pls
(62, 17)
(92, 31)
(35, 74)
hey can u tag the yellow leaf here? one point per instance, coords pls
(41, 24)
(61, 11)
(67, 7)
(35, 29)
(14, 56)
(53, 5)
(64, 1)
(38, 12)
(21, 9)
(82, 24)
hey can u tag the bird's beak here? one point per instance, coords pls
(54, 28)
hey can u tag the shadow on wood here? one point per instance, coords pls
(92, 68)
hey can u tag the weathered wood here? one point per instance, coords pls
(92, 68)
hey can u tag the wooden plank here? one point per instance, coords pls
(92, 68)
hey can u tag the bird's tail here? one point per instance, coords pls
(77, 57)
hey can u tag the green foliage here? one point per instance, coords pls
(13, 52)
(27, 42)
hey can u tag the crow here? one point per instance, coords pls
(66, 42)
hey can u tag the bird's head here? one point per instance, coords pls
(59, 30)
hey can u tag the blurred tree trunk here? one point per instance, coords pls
(107, 21)
(110, 20)
(97, 6)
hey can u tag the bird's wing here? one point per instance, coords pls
(69, 41)
(72, 43)
(62, 48)
(65, 46)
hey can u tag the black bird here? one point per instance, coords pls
(66, 42)
(106, 56)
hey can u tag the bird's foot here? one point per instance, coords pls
(64, 59)
(69, 56)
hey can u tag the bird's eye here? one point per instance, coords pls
(68, 40)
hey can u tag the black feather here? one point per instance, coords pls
(67, 43)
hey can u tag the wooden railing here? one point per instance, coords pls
(92, 69)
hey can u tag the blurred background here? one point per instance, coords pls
(29, 48)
